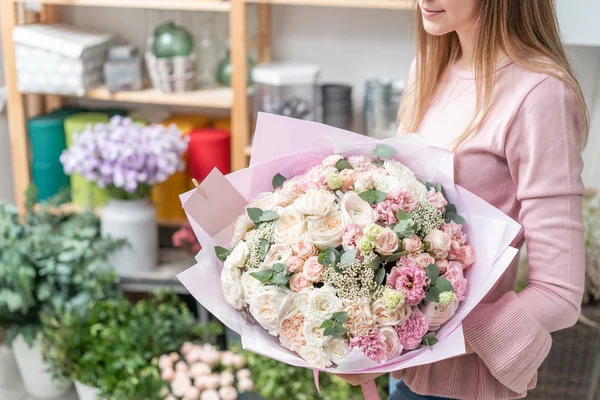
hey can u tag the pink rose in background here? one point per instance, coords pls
(170, 397)
(243, 374)
(227, 358)
(191, 394)
(193, 355)
(167, 374)
(397, 200)
(199, 369)
(165, 362)
(466, 255)
(313, 270)
(239, 361)
(455, 275)
(413, 330)
(391, 342)
(209, 395)
(200, 382)
(348, 179)
(412, 245)
(187, 347)
(351, 236)
(409, 279)
(424, 259)
(440, 243)
(181, 366)
(442, 265)
(455, 232)
(227, 378)
(299, 281)
(437, 314)
(304, 249)
(228, 393)
(213, 381)
(185, 239)
(372, 344)
(180, 385)
(210, 357)
(386, 243)
(332, 160)
(245, 385)
(437, 199)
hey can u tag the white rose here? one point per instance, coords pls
(356, 210)
(314, 356)
(300, 299)
(364, 181)
(250, 284)
(332, 160)
(387, 183)
(416, 188)
(233, 294)
(265, 201)
(242, 225)
(316, 203)
(327, 231)
(314, 334)
(336, 349)
(278, 253)
(267, 306)
(238, 256)
(398, 170)
(386, 317)
(229, 273)
(322, 303)
(289, 227)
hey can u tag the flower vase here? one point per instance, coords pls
(34, 371)
(135, 221)
(85, 392)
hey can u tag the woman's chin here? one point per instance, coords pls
(436, 29)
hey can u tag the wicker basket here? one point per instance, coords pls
(172, 75)
(572, 369)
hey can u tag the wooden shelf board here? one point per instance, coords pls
(195, 5)
(379, 4)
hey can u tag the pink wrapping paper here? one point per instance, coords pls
(289, 146)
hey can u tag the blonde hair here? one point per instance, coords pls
(526, 31)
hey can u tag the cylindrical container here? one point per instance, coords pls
(223, 124)
(85, 392)
(64, 112)
(209, 148)
(34, 371)
(337, 105)
(166, 195)
(84, 193)
(382, 100)
(135, 221)
(47, 138)
(287, 89)
(49, 178)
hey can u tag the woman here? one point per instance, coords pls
(491, 82)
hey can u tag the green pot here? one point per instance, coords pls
(47, 138)
(49, 178)
(224, 70)
(171, 40)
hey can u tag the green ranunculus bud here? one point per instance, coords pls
(392, 299)
(446, 298)
(372, 231)
(366, 245)
(334, 180)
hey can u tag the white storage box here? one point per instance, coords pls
(58, 59)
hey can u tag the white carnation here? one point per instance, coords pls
(416, 188)
(398, 170)
(314, 356)
(387, 183)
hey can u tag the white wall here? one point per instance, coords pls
(350, 45)
(6, 189)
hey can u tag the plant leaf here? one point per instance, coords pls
(348, 257)
(401, 215)
(222, 253)
(375, 263)
(384, 151)
(343, 164)
(433, 294)
(329, 257)
(264, 247)
(379, 196)
(444, 285)
(450, 208)
(329, 332)
(380, 276)
(433, 272)
(451, 216)
(279, 267)
(340, 317)
(428, 186)
(340, 329)
(279, 279)
(328, 323)
(429, 339)
(438, 188)
(368, 196)
(394, 257)
(264, 276)
(268, 215)
(254, 214)
(278, 181)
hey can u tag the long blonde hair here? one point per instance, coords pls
(526, 31)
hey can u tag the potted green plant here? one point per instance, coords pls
(111, 351)
(50, 262)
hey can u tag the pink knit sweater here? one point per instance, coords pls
(523, 160)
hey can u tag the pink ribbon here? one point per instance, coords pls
(316, 376)
(369, 390)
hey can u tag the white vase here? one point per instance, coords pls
(134, 220)
(85, 392)
(34, 371)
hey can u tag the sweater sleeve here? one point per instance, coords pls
(512, 335)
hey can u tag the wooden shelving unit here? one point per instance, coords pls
(189, 5)
(380, 4)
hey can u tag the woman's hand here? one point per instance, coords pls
(358, 379)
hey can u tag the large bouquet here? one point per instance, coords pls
(341, 253)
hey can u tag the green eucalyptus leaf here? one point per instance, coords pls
(394, 257)
(340, 316)
(433, 294)
(329, 257)
(340, 329)
(263, 247)
(375, 263)
(254, 214)
(368, 196)
(384, 151)
(343, 164)
(438, 188)
(428, 186)
(380, 276)
(348, 257)
(330, 331)
(222, 253)
(429, 339)
(402, 216)
(444, 285)
(379, 196)
(433, 272)
(450, 208)
(278, 181)
(268, 215)
(328, 323)
(451, 216)
(264, 276)
(279, 267)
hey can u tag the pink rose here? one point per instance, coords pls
(437, 199)
(291, 190)
(213, 381)
(180, 384)
(200, 382)
(191, 394)
(364, 181)
(412, 331)
(199, 369)
(187, 347)
(408, 278)
(295, 264)
(442, 265)
(424, 259)
(210, 395)
(371, 344)
(466, 255)
(439, 242)
(239, 361)
(313, 270)
(386, 243)
(299, 281)
(227, 358)
(304, 249)
(437, 314)
(348, 178)
(243, 374)
(193, 356)
(351, 236)
(454, 249)
(331, 161)
(391, 343)
(245, 385)
(165, 362)
(361, 163)
(455, 232)
(210, 357)
(228, 393)
(412, 245)
(181, 366)
(167, 374)
(227, 379)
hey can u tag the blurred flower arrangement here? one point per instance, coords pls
(126, 157)
(591, 219)
(202, 372)
(185, 239)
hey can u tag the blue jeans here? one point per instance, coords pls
(403, 392)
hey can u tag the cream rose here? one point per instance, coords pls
(364, 181)
(335, 349)
(387, 317)
(314, 334)
(440, 242)
(438, 314)
(238, 256)
(314, 356)
(230, 273)
(267, 306)
(327, 231)
(386, 242)
(299, 282)
(412, 245)
(265, 201)
(416, 188)
(387, 183)
(300, 300)
(289, 227)
(304, 249)
(233, 294)
(278, 253)
(332, 160)
(348, 179)
(242, 225)
(290, 191)
(356, 210)
(316, 203)
(322, 303)
(391, 344)
(313, 270)
(250, 284)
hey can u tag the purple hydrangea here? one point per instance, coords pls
(126, 157)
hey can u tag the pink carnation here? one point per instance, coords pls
(351, 236)
(466, 255)
(454, 274)
(372, 344)
(409, 279)
(398, 200)
(361, 163)
(412, 331)
(455, 232)
(437, 199)
(315, 178)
